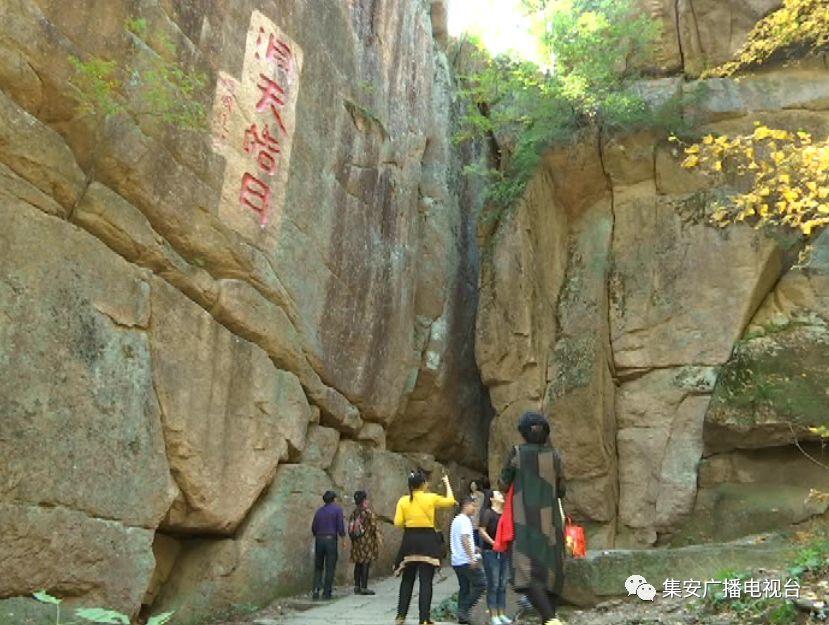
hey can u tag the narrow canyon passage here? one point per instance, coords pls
(252, 252)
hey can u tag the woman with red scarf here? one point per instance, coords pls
(533, 472)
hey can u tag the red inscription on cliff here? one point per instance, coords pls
(253, 125)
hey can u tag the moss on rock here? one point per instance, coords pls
(773, 387)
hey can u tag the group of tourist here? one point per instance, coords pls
(365, 534)
(328, 527)
(487, 544)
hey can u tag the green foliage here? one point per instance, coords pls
(45, 597)
(137, 26)
(747, 607)
(96, 84)
(813, 559)
(515, 102)
(782, 614)
(820, 430)
(98, 615)
(159, 619)
(597, 48)
(597, 44)
(148, 83)
(446, 610)
(366, 86)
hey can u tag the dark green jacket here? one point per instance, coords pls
(538, 550)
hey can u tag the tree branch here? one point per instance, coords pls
(803, 451)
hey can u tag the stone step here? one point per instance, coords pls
(602, 574)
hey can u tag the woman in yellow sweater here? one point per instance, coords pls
(421, 548)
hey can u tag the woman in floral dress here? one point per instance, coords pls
(366, 538)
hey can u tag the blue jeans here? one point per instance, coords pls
(471, 585)
(495, 565)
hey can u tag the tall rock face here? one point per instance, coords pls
(542, 329)
(203, 331)
(678, 363)
(699, 34)
(771, 390)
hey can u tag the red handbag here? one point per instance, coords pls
(574, 540)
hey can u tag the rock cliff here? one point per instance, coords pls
(202, 332)
(678, 363)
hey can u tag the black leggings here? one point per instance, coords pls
(361, 575)
(543, 601)
(425, 572)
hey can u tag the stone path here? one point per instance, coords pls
(379, 609)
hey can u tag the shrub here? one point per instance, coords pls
(161, 88)
(597, 49)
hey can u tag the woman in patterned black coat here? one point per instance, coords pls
(366, 548)
(534, 469)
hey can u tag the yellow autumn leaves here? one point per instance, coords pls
(787, 175)
(820, 430)
(802, 24)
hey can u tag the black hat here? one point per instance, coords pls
(534, 427)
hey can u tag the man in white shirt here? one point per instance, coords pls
(465, 561)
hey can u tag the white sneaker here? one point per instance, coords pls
(505, 620)
(495, 620)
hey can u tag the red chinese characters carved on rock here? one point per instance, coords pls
(255, 193)
(227, 104)
(224, 116)
(277, 52)
(267, 144)
(272, 97)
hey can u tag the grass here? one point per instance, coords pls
(447, 609)
(810, 564)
